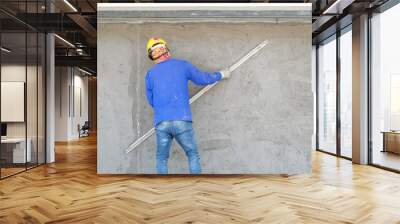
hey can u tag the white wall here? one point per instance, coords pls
(17, 73)
(79, 117)
(70, 81)
(62, 81)
(12, 73)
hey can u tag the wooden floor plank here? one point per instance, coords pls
(70, 191)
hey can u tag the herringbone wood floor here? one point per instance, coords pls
(70, 191)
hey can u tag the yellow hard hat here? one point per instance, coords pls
(154, 41)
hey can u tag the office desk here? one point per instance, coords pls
(391, 141)
(13, 150)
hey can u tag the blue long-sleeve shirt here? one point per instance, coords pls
(167, 88)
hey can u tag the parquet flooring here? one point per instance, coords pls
(10, 171)
(70, 191)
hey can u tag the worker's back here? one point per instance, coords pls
(169, 84)
(167, 88)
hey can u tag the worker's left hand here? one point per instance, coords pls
(226, 74)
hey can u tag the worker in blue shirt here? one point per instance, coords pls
(168, 95)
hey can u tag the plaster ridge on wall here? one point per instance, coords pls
(203, 6)
(197, 20)
(192, 11)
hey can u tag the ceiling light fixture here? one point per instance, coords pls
(5, 50)
(79, 51)
(64, 40)
(335, 7)
(84, 71)
(70, 5)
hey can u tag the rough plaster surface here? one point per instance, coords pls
(258, 122)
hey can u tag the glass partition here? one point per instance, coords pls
(32, 95)
(14, 153)
(22, 89)
(33, 65)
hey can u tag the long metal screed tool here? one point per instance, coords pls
(202, 91)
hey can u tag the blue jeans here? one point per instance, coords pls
(183, 133)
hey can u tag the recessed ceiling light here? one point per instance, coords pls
(64, 40)
(84, 71)
(70, 5)
(5, 50)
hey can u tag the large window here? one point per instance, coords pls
(327, 96)
(334, 65)
(385, 89)
(346, 92)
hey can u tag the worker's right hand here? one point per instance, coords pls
(225, 74)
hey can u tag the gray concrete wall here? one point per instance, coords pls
(258, 122)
